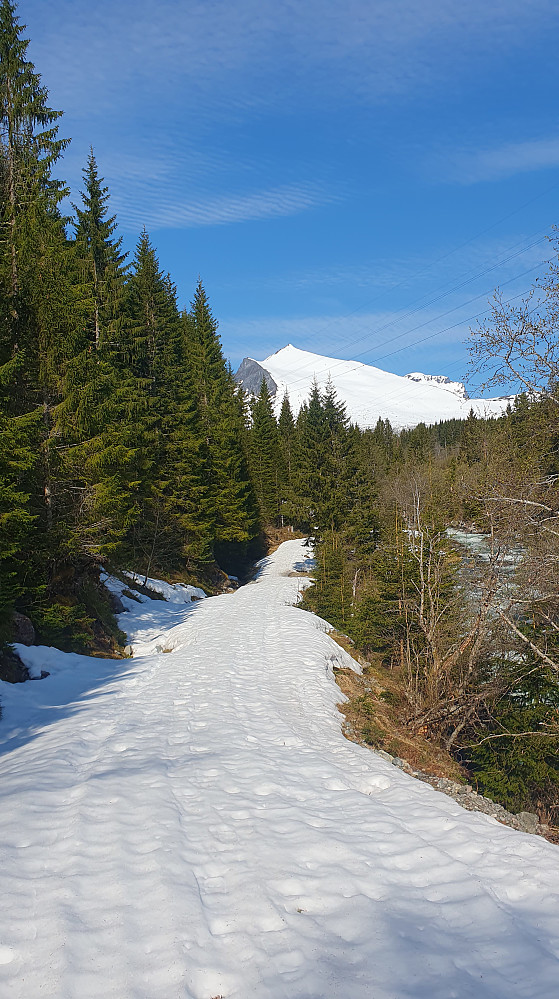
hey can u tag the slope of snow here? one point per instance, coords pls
(370, 393)
(193, 824)
(148, 622)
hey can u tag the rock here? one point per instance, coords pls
(469, 799)
(12, 670)
(527, 822)
(250, 375)
(505, 816)
(24, 632)
(115, 603)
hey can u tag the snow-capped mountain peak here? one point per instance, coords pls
(369, 393)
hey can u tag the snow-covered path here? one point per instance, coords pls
(193, 824)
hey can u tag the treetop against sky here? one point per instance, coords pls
(339, 175)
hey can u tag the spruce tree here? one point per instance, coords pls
(17, 464)
(323, 444)
(175, 522)
(338, 474)
(515, 756)
(38, 323)
(99, 256)
(265, 456)
(97, 460)
(235, 512)
(311, 446)
(287, 435)
(330, 596)
(151, 317)
(30, 143)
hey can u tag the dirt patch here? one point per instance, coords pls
(370, 719)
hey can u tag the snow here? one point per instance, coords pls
(457, 388)
(148, 622)
(370, 393)
(175, 593)
(193, 824)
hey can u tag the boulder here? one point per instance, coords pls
(527, 822)
(23, 630)
(115, 603)
(12, 670)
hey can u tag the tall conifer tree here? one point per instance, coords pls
(37, 323)
(97, 462)
(99, 256)
(287, 437)
(176, 520)
(235, 514)
(265, 456)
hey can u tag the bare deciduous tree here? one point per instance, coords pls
(519, 343)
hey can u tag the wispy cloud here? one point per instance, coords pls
(207, 210)
(260, 52)
(163, 87)
(470, 167)
(166, 184)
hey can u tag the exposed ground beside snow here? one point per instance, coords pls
(193, 824)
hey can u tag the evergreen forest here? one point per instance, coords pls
(125, 443)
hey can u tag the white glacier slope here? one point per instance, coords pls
(193, 824)
(370, 393)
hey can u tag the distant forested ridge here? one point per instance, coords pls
(125, 443)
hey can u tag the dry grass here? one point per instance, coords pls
(375, 701)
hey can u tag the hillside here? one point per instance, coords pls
(367, 392)
(192, 823)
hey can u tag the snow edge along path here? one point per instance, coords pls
(194, 824)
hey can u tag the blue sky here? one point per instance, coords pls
(351, 178)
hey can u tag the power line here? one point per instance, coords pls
(410, 312)
(433, 263)
(415, 343)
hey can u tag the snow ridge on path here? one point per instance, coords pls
(193, 824)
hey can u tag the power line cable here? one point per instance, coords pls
(433, 263)
(431, 336)
(410, 312)
(401, 392)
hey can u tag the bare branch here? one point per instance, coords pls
(538, 652)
